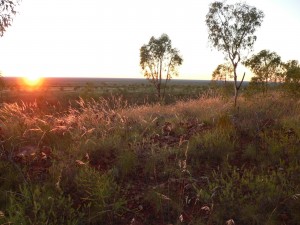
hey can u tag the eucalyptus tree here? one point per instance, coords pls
(266, 66)
(292, 76)
(292, 73)
(223, 72)
(7, 11)
(231, 29)
(159, 62)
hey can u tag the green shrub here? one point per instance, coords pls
(100, 195)
(127, 163)
(251, 198)
(210, 148)
(41, 205)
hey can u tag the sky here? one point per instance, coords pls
(97, 38)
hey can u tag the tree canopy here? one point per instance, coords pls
(7, 11)
(266, 66)
(159, 61)
(292, 74)
(223, 72)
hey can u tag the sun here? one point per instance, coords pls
(32, 80)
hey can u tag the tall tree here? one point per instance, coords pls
(159, 62)
(231, 30)
(223, 72)
(266, 66)
(7, 11)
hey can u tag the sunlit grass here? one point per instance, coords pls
(199, 161)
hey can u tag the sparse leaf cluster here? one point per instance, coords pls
(231, 28)
(7, 11)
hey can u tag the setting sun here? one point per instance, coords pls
(32, 80)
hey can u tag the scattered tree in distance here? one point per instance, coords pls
(292, 76)
(223, 72)
(231, 30)
(266, 66)
(159, 62)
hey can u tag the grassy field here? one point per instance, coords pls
(120, 158)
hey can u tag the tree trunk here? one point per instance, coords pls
(235, 86)
(236, 91)
(160, 79)
(158, 91)
(164, 92)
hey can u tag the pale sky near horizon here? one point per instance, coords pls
(95, 38)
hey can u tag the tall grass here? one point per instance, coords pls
(104, 161)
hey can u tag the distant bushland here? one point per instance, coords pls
(68, 90)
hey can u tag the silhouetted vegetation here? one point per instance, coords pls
(7, 12)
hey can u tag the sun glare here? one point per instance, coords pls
(32, 80)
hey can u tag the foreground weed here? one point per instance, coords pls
(41, 205)
(210, 149)
(100, 195)
(248, 197)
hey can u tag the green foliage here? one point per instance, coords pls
(41, 205)
(213, 147)
(251, 198)
(165, 208)
(10, 177)
(292, 77)
(100, 194)
(232, 27)
(127, 163)
(104, 152)
(292, 71)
